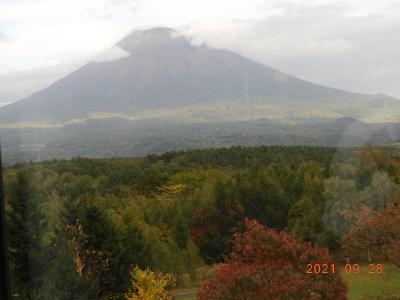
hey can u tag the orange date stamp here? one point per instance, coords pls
(318, 268)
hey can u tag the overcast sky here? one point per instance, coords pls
(349, 44)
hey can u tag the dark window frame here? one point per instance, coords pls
(4, 268)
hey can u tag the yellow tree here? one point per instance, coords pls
(149, 285)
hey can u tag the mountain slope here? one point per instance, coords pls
(164, 75)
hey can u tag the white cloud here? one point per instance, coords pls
(49, 32)
(3, 37)
(357, 53)
(349, 44)
(111, 54)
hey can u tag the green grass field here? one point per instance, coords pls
(364, 283)
(360, 284)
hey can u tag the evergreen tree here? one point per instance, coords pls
(25, 225)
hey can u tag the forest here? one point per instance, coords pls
(236, 223)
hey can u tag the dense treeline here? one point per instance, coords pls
(77, 228)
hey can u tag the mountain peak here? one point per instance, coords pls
(159, 30)
(164, 75)
(151, 37)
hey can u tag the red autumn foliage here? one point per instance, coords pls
(266, 264)
(377, 235)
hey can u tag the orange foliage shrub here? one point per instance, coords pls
(266, 264)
